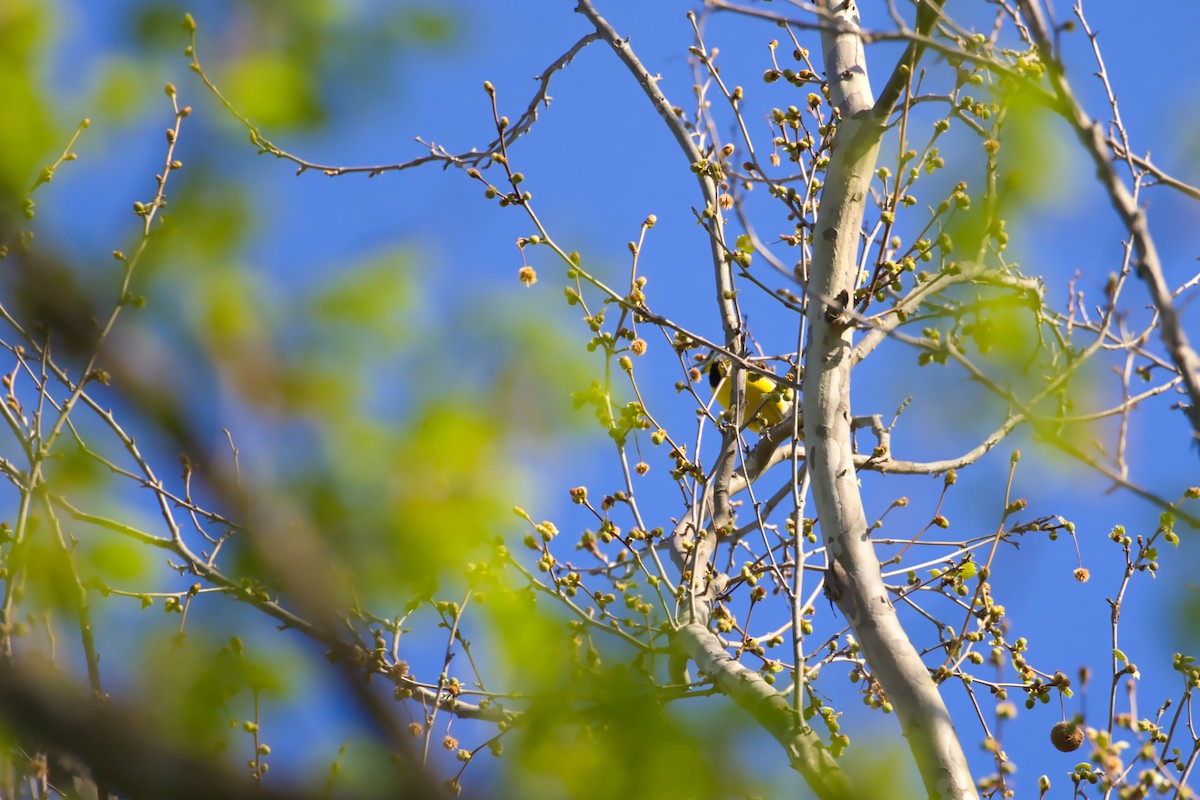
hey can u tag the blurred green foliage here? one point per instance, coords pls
(198, 686)
(117, 91)
(1033, 158)
(384, 431)
(629, 746)
(24, 106)
(274, 88)
(381, 425)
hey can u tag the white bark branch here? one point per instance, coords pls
(805, 750)
(1149, 268)
(854, 578)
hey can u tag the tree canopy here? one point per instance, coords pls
(681, 401)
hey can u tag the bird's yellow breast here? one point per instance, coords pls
(761, 409)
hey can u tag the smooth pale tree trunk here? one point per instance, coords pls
(854, 578)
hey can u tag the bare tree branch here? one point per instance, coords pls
(1149, 268)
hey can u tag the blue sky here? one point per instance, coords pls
(598, 162)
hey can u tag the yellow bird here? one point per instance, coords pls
(766, 403)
